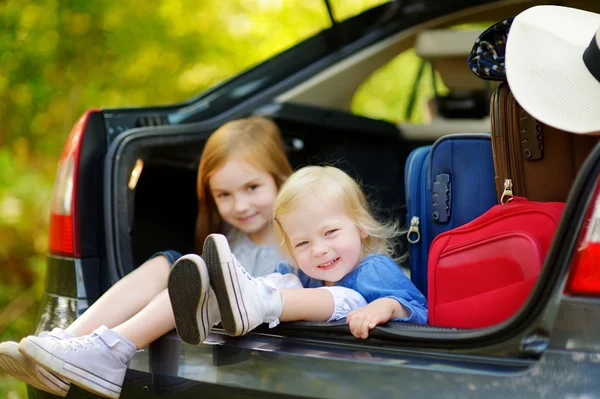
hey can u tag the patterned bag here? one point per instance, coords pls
(487, 56)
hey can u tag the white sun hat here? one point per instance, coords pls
(553, 66)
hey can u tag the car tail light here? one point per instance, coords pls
(584, 278)
(63, 233)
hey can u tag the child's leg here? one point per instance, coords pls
(306, 304)
(138, 309)
(122, 301)
(319, 304)
(98, 361)
(246, 302)
(299, 303)
(150, 323)
(126, 298)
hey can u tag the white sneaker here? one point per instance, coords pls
(95, 362)
(244, 302)
(193, 301)
(13, 363)
(56, 333)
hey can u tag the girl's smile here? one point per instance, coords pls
(246, 219)
(329, 265)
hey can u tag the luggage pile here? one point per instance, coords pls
(483, 210)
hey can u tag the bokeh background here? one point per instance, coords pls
(59, 58)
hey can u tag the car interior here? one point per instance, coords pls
(319, 126)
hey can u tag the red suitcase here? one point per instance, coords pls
(482, 272)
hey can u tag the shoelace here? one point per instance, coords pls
(74, 344)
(243, 270)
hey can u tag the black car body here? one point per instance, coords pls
(105, 222)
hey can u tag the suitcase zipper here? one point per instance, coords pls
(508, 193)
(414, 229)
(414, 222)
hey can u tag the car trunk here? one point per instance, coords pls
(159, 212)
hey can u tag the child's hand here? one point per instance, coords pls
(377, 312)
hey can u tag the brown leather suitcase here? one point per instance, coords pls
(536, 161)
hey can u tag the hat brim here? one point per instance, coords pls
(546, 71)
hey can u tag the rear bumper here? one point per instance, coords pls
(72, 285)
(59, 311)
(259, 365)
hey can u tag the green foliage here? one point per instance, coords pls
(59, 58)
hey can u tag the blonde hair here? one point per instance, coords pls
(256, 140)
(332, 185)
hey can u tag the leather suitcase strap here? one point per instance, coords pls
(499, 118)
(541, 162)
(517, 122)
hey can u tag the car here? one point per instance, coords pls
(126, 186)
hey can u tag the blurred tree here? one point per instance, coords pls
(58, 58)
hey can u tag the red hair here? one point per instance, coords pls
(256, 140)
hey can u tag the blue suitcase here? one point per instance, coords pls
(447, 185)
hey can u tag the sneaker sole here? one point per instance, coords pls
(223, 279)
(189, 284)
(12, 362)
(74, 374)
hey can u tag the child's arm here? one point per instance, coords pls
(390, 294)
(379, 311)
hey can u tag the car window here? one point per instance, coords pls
(386, 94)
(400, 91)
(278, 67)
